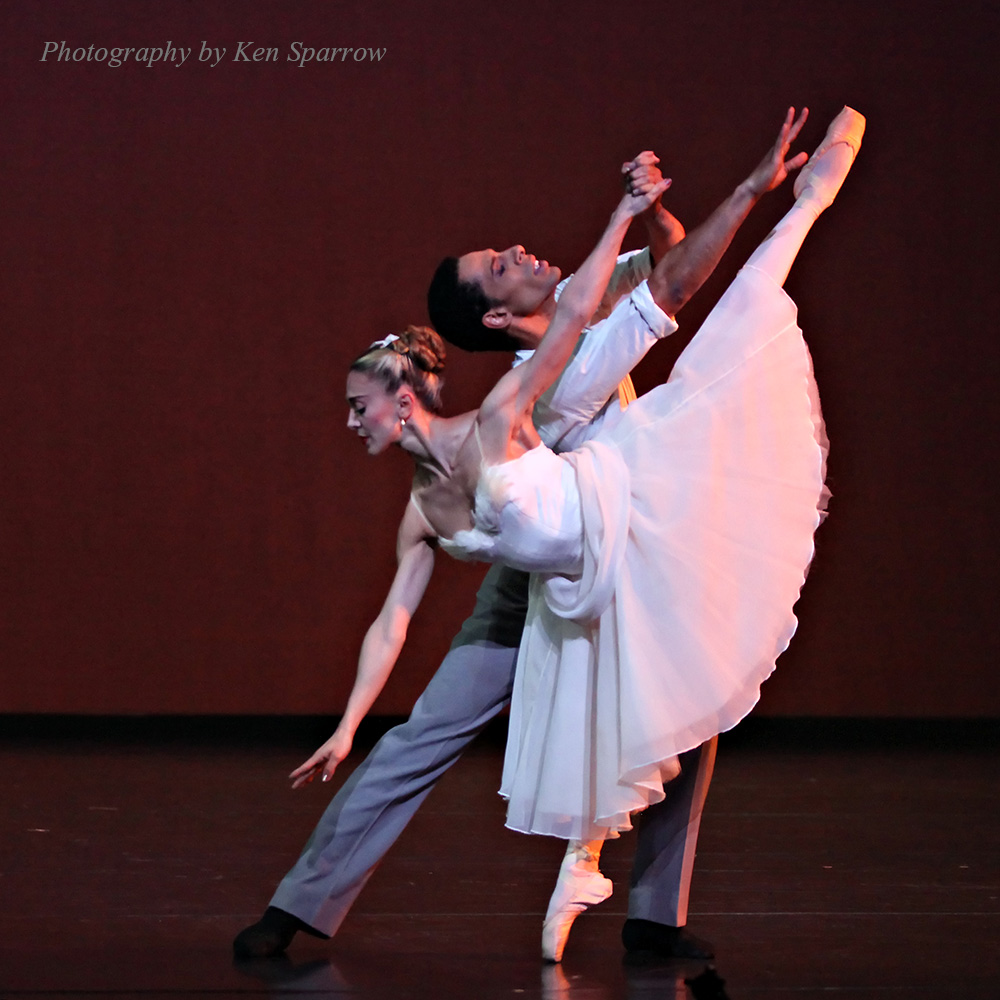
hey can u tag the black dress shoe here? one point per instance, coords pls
(662, 939)
(271, 935)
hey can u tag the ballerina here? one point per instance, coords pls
(667, 553)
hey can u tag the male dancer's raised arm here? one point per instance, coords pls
(568, 413)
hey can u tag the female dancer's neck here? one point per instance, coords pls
(434, 442)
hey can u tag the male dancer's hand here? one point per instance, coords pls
(774, 168)
(682, 271)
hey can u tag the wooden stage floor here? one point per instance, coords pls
(837, 860)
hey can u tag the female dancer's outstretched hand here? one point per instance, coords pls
(324, 761)
(774, 168)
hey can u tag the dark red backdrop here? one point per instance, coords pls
(192, 255)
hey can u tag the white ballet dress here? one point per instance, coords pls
(666, 554)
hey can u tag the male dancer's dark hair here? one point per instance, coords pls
(456, 309)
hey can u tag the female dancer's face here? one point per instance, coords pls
(373, 412)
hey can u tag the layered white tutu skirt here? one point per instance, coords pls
(699, 510)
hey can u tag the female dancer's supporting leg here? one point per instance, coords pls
(580, 883)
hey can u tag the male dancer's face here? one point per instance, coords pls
(517, 281)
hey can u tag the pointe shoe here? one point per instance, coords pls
(579, 885)
(849, 127)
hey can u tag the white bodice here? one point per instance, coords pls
(527, 515)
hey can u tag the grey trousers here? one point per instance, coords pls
(470, 687)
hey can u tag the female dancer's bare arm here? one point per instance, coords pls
(508, 407)
(381, 646)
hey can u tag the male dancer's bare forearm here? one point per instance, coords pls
(663, 231)
(686, 266)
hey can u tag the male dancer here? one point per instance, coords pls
(474, 681)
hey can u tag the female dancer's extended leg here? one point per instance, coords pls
(580, 883)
